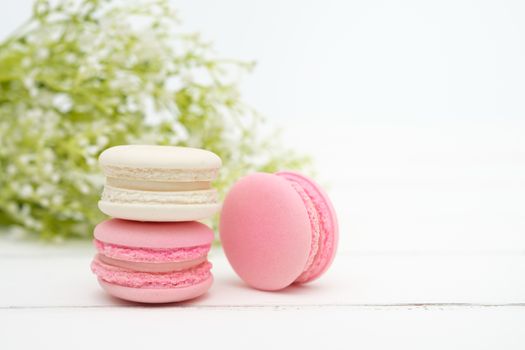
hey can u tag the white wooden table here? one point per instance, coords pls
(436, 300)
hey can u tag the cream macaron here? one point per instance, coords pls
(159, 183)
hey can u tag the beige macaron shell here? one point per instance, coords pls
(160, 157)
(159, 212)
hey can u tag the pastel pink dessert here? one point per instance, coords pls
(278, 229)
(153, 262)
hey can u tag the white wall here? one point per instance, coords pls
(375, 60)
(413, 109)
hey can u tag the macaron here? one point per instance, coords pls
(159, 183)
(278, 229)
(153, 262)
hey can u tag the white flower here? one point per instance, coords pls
(83, 188)
(48, 168)
(55, 177)
(57, 199)
(42, 53)
(26, 191)
(25, 159)
(63, 102)
(102, 141)
(11, 169)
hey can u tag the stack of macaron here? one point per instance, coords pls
(154, 250)
(275, 229)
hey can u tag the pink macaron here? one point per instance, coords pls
(278, 229)
(153, 262)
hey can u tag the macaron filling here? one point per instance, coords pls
(160, 174)
(121, 195)
(135, 254)
(322, 227)
(157, 280)
(151, 266)
(142, 185)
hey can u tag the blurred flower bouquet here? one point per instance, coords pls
(81, 76)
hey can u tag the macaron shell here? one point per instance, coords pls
(152, 295)
(159, 212)
(154, 156)
(265, 231)
(153, 234)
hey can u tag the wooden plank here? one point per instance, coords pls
(375, 279)
(264, 328)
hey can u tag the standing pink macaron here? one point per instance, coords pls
(153, 262)
(278, 229)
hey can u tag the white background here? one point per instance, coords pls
(413, 110)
